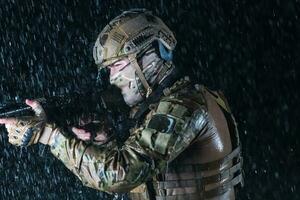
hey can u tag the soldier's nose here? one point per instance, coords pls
(113, 70)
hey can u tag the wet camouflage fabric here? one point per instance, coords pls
(166, 131)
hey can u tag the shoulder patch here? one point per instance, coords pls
(162, 123)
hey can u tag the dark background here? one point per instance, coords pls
(248, 49)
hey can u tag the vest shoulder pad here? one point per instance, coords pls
(171, 128)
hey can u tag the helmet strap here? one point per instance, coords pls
(134, 63)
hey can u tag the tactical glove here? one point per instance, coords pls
(25, 131)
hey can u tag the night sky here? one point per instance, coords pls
(248, 49)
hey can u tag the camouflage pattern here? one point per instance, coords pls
(144, 154)
(209, 167)
(27, 131)
(130, 33)
(169, 130)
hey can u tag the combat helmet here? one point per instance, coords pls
(129, 35)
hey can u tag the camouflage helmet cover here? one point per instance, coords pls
(130, 33)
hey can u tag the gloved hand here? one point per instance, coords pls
(94, 132)
(25, 131)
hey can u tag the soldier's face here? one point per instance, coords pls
(122, 75)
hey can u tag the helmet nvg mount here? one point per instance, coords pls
(129, 35)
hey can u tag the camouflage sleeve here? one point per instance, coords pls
(172, 127)
(166, 132)
(105, 168)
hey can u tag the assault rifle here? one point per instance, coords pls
(67, 109)
(64, 102)
(15, 109)
(64, 110)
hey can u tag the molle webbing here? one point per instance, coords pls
(224, 187)
(203, 195)
(207, 166)
(227, 178)
(218, 163)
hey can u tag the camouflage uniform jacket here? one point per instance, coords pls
(171, 125)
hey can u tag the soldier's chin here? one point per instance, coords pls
(131, 100)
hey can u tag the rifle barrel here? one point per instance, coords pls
(14, 112)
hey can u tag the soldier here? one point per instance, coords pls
(184, 144)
